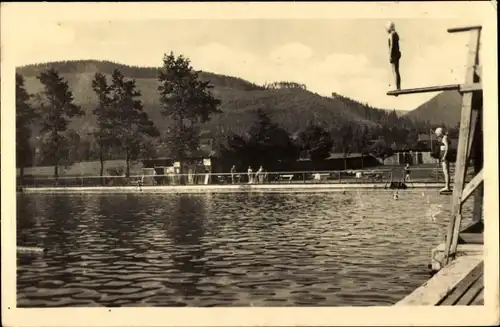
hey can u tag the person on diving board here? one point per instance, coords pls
(394, 53)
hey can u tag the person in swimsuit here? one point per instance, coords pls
(250, 175)
(394, 53)
(233, 172)
(444, 156)
(407, 173)
(259, 175)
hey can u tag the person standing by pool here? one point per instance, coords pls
(394, 53)
(153, 179)
(407, 173)
(233, 171)
(258, 175)
(444, 156)
(249, 173)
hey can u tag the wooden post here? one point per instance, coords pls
(477, 212)
(465, 139)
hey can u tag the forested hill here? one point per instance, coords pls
(107, 67)
(443, 109)
(290, 105)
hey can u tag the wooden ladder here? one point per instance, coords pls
(470, 143)
(469, 146)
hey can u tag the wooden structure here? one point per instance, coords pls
(470, 147)
(469, 291)
(462, 88)
(459, 261)
(459, 283)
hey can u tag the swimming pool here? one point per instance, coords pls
(352, 248)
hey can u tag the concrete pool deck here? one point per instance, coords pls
(225, 188)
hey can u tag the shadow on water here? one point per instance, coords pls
(185, 227)
(26, 208)
(119, 220)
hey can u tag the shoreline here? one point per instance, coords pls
(224, 188)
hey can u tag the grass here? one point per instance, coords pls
(85, 168)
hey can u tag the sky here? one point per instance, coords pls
(338, 54)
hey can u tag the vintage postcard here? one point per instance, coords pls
(249, 164)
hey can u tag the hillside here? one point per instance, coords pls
(444, 108)
(292, 108)
(399, 113)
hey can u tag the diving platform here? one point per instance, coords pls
(464, 29)
(462, 88)
(473, 71)
(458, 263)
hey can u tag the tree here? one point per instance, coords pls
(362, 139)
(130, 124)
(103, 134)
(25, 116)
(187, 101)
(343, 141)
(74, 142)
(316, 142)
(56, 109)
(381, 150)
(269, 144)
(231, 150)
(412, 138)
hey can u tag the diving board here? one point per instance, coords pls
(462, 88)
(464, 29)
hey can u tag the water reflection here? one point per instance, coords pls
(243, 249)
(185, 227)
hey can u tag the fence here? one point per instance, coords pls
(418, 175)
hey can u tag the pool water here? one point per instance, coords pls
(358, 248)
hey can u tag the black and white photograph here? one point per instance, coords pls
(249, 156)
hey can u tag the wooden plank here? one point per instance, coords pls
(465, 88)
(462, 158)
(472, 238)
(477, 211)
(479, 71)
(473, 125)
(479, 299)
(437, 88)
(476, 126)
(439, 286)
(475, 87)
(463, 286)
(473, 227)
(472, 186)
(464, 28)
(472, 292)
